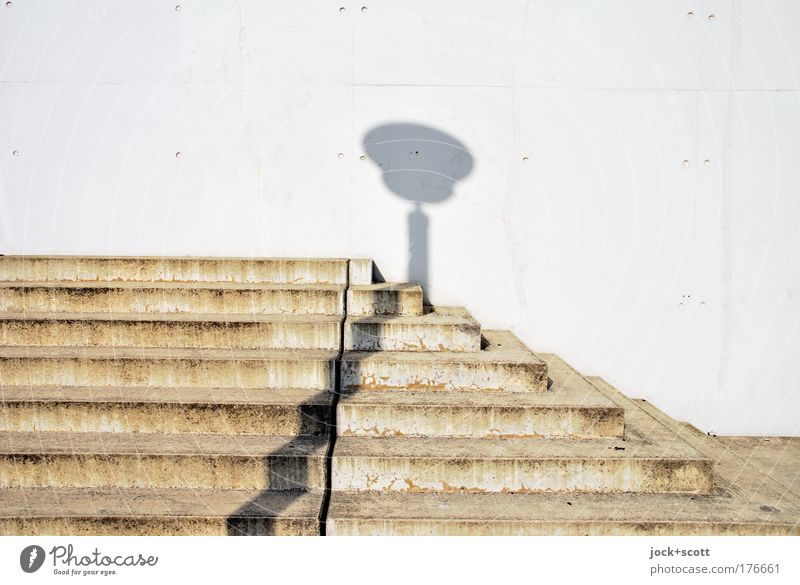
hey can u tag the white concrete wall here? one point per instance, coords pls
(677, 281)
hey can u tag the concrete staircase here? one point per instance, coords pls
(166, 396)
(197, 396)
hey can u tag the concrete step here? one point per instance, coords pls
(120, 511)
(171, 330)
(453, 465)
(163, 269)
(172, 297)
(387, 298)
(552, 514)
(235, 411)
(68, 459)
(170, 367)
(504, 364)
(439, 329)
(572, 411)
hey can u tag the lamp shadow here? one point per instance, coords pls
(422, 165)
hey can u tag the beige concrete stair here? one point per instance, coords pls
(167, 395)
(71, 459)
(147, 366)
(553, 514)
(164, 269)
(118, 511)
(438, 329)
(236, 411)
(222, 331)
(571, 412)
(647, 458)
(742, 500)
(388, 298)
(172, 297)
(503, 364)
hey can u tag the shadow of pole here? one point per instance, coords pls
(422, 165)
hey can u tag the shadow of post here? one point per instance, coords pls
(422, 165)
(293, 470)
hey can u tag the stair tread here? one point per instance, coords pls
(163, 395)
(168, 285)
(502, 347)
(171, 317)
(164, 353)
(438, 315)
(387, 286)
(82, 443)
(569, 396)
(509, 448)
(551, 508)
(120, 502)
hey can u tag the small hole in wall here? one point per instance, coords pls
(342, 9)
(711, 17)
(685, 163)
(15, 153)
(689, 14)
(707, 163)
(9, 4)
(525, 159)
(178, 8)
(179, 155)
(363, 9)
(340, 155)
(362, 157)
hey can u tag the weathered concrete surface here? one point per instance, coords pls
(720, 513)
(57, 366)
(246, 411)
(170, 297)
(171, 330)
(388, 298)
(777, 458)
(504, 364)
(360, 271)
(572, 411)
(65, 459)
(439, 329)
(119, 511)
(515, 465)
(742, 500)
(162, 269)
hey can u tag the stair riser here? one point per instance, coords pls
(276, 373)
(227, 419)
(165, 526)
(454, 527)
(154, 300)
(15, 269)
(406, 337)
(385, 302)
(443, 376)
(163, 471)
(387, 474)
(274, 335)
(484, 422)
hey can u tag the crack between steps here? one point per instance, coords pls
(326, 499)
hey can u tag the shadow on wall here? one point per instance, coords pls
(422, 165)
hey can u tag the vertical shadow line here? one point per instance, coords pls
(337, 384)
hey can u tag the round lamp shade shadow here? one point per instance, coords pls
(418, 163)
